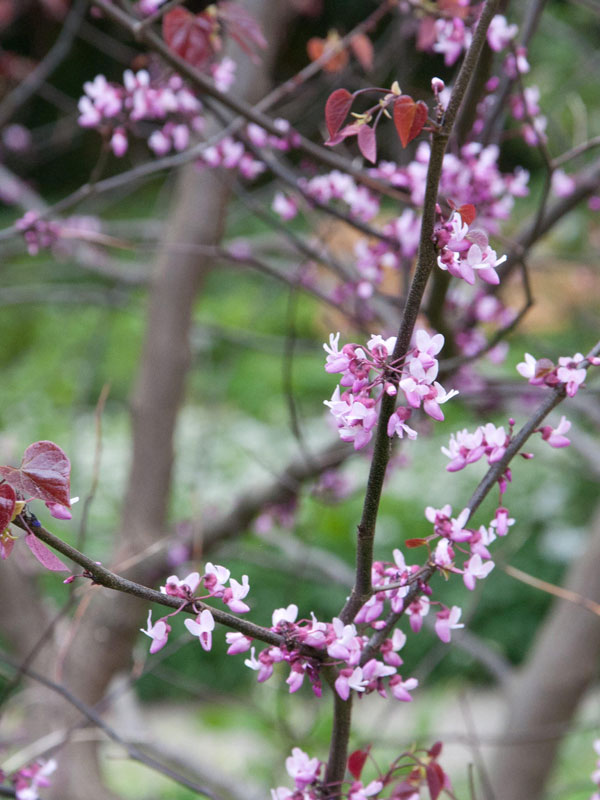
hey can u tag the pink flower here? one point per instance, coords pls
(59, 511)
(563, 185)
(418, 609)
(360, 792)
(555, 436)
(118, 142)
(34, 776)
(502, 521)
(286, 207)
(500, 33)
(286, 616)
(184, 588)
(238, 643)
(400, 689)
(569, 373)
(202, 627)
(234, 595)
(301, 768)
(159, 633)
(350, 679)
(476, 569)
(447, 621)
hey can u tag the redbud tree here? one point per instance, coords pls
(418, 165)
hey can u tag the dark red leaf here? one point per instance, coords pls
(409, 118)
(189, 35)
(367, 143)
(356, 762)
(44, 474)
(415, 542)
(7, 505)
(44, 556)
(336, 110)
(419, 121)
(435, 779)
(467, 213)
(435, 749)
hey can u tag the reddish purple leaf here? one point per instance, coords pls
(336, 110)
(189, 35)
(415, 542)
(467, 213)
(367, 143)
(7, 505)
(435, 779)
(435, 749)
(44, 474)
(409, 118)
(44, 556)
(356, 762)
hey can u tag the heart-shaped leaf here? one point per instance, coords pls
(7, 505)
(467, 212)
(409, 118)
(44, 556)
(44, 474)
(367, 143)
(356, 762)
(189, 35)
(435, 779)
(337, 107)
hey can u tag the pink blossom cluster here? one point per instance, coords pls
(368, 374)
(408, 773)
(330, 187)
(568, 371)
(373, 258)
(230, 153)
(451, 35)
(28, 780)
(467, 448)
(524, 106)
(472, 176)
(342, 643)
(38, 233)
(214, 579)
(471, 313)
(164, 111)
(454, 538)
(305, 772)
(465, 251)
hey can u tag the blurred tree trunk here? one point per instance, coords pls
(106, 632)
(545, 695)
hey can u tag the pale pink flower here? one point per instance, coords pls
(301, 768)
(202, 627)
(400, 689)
(181, 588)
(474, 569)
(159, 633)
(447, 621)
(555, 436)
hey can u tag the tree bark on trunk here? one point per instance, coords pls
(546, 693)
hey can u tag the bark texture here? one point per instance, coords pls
(546, 693)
